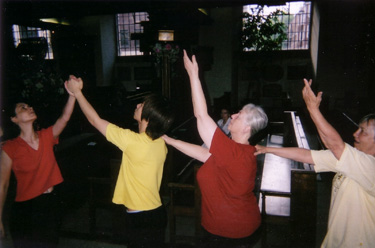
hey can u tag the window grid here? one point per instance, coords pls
(127, 24)
(297, 19)
(21, 32)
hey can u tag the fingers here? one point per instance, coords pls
(307, 89)
(307, 83)
(259, 150)
(194, 59)
(319, 96)
(67, 89)
(76, 81)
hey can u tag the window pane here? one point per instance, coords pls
(21, 33)
(127, 24)
(297, 20)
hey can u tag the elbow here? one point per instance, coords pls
(200, 115)
(96, 122)
(197, 114)
(93, 122)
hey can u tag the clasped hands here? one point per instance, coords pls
(73, 85)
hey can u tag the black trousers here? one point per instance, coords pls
(146, 229)
(210, 240)
(36, 222)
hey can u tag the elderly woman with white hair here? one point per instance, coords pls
(230, 213)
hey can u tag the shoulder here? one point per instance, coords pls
(351, 153)
(10, 146)
(47, 134)
(48, 130)
(225, 144)
(11, 142)
(115, 132)
(112, 128)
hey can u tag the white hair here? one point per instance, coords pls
(256, 118)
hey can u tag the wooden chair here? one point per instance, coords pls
(177, 209)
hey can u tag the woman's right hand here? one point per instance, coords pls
(191, 66)
(166, 138)
(260, 150)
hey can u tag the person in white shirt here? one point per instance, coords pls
(351, 220)
(223, 123)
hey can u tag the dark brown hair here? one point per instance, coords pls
(158, 112)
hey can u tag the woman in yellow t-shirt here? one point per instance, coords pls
(144, 153)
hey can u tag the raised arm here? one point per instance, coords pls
(62, 121)
(74, 86)
(206, 125)
(195, 151)
(293, 153)
(330, 137)
(5, 169)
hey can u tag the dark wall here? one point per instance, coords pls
(346, 59)
(346, 62)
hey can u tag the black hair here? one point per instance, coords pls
(157, 110)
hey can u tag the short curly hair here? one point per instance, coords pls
(256, 118)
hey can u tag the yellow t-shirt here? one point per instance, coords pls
(141, 170)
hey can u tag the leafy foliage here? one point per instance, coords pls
(263, 32)
(42, 88)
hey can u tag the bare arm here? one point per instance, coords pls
(5, 169)
(206, 125)
(330, 137)
(62, 121)
(74, 86)
(195, 151)
(293, 153)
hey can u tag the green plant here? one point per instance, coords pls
(263, 32)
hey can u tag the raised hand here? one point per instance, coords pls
(312, 101)
(67, 90)
(73, 85)
(191, 66)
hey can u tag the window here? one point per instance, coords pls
(128, 24)
(31, 36)
(296, 16)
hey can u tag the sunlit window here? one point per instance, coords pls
(33, 37)
(128, 24)
(296, 17)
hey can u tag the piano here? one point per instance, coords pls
(288, 188)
